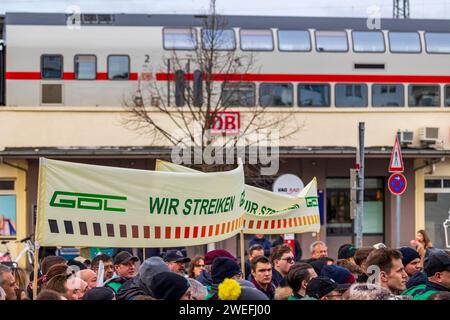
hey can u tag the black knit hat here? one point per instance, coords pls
(169, 286)
(222, 268)
(409, 254)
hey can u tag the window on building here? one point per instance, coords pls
(221, 39)
(368, 41)
(179, 39)
(294, 40)
(8, 218)
(256, 40)
(424, 96)
(85, 67)
(404, 42)
(437, 42)
(180, 87)
(118, 67)
(437, 204)
(333, 41)
(314, 95)
(351, 95)
(6, 184)
(238, 94)
(51, 66)
(339, 221)
(276, 95)
(388, 95)
(198, 88)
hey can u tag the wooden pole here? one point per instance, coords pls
(35, 269)
(242, 253)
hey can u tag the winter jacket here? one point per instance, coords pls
(424, 291)
(415, 280)
(116, 283)
(276, 278)
(269, 292)
(205, 278)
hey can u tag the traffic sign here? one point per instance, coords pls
(397, 183)
(396, 162)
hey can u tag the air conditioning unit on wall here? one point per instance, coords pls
(406, 137)
(428, 135)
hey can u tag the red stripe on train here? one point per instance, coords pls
(262, 77)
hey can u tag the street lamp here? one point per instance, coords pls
(446, 225)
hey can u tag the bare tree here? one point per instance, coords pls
(202, 83)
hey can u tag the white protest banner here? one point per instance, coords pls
(88, 205)
(271, 213)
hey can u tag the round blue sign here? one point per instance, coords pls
(397, 183)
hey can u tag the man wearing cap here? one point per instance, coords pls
(125, 268)
(176, 261)
(437, 268)
(323, 288)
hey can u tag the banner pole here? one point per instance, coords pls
(242, 253)
(35, 269)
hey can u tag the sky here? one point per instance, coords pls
(429, 9)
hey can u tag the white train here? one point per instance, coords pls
(304, 62)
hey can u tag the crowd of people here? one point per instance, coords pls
(272, 271)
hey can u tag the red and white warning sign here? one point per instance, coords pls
(396, 162)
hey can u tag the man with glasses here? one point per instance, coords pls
(261, 276)
(282, 260)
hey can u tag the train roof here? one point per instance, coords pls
(257, 22)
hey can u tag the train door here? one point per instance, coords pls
(187, 81)
(2, 73)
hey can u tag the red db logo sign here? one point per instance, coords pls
(227, 123)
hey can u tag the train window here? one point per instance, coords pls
(238, 94)
(447, 95)
(51, 66)
(85, 67)
(294, 40)
(404, 42)
(180, 87)
(313, 95)
(424, 96)
(276, 94)
(388, 95)
(179, 39)
(368, 41)
(118, 67)
(333, 41)
(198, 88)
(258, 40)
(222, 39)
(437, 42)
(351, 95)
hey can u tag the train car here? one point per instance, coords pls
(303, 61)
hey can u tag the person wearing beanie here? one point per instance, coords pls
(140, 285)
(170, 286)
(437, 269)
(410, 260)
(223, 268)
(205, 276)
(100, 293)
(347, 252)
(339, 274)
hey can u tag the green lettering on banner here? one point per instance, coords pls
(212, 205)
(312, 202)
(156, 204)
(187, 207)
(75, 200)
(205, 203)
